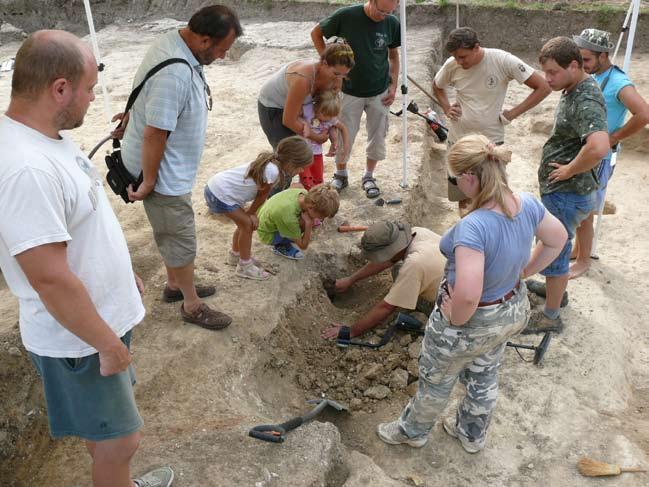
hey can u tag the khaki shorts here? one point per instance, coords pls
(172, 221)
(376, 121)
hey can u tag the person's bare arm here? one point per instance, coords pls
(540, 90)
(318, 39)
(298, 89)
(345, 136)
(551, 237)
(453, 111)
(374, 317)
(591, 153)
(303, 241)
(154, 141)
(368, 270)
(67, 300)
(469, 277)
(639, 109)
(393, 57)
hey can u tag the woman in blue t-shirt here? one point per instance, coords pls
(482, 301)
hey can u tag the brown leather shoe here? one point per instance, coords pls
(206, 317)
(174, 295)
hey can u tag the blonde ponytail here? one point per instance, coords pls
(477, 155)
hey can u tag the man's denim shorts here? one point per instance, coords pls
(216, 205)
(604, 174)
(81, 402)
(571, 209)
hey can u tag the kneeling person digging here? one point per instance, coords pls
(417, 268)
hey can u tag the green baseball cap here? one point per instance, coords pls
(594, 40)
(383, 240)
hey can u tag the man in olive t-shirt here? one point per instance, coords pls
(567, 178)
(375, 36)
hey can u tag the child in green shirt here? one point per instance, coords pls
(288, 216)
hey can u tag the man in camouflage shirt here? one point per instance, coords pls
(567, 175)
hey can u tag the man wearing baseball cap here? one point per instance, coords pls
(418, 266)
(620, 95)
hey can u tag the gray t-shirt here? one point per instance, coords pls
(174, 99)
(506, 244)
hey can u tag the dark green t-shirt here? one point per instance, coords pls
(579, 113)
(370, 42)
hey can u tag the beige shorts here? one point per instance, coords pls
(376, 122)
(172, 221)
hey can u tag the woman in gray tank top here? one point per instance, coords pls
(282, 96)
(482, 301)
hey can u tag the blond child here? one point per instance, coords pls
(287, 218)
(227, 193)
(321, 117)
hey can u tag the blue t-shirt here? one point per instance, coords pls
(506, 244)
(617, 80)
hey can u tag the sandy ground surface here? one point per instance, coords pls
(200, 391)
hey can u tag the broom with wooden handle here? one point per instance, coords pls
(593, 468)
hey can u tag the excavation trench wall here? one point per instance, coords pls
(515, 29)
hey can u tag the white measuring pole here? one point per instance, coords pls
(404, 82)
(634, 10)
(95, 49)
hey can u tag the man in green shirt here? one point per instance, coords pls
(567, 174)
(375, 36)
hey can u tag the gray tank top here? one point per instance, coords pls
(275, 91)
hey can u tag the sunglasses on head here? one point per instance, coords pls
(453, 179)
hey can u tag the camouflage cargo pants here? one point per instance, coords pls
(470, 353)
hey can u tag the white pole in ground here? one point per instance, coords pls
(457, 14)
(404, 84)
(95, 48)
(635, 6)
(625, 24)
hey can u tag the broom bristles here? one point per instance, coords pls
(593, 468)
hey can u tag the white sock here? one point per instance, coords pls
(245, 262)
(341, 172)
(368, 174)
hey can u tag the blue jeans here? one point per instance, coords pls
(279, 241)
(571, 209)
(216, 205)
(604, 174)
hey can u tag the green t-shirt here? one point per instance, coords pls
(579, 113)
(370, 42)
(281, 213)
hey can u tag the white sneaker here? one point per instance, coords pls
(469, 446)
(251, 271)
(160, 477)
(391, 434)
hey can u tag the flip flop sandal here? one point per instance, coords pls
(339, 182)
(370, 187)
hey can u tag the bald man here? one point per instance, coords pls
(64, 256)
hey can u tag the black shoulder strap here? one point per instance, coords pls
(136, 91)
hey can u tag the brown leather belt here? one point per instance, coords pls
(506, 297)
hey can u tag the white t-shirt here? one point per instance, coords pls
(50, 192)
(233, 188)
(480, 91)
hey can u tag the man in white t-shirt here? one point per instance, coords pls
(480, 77)
(64, 256)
